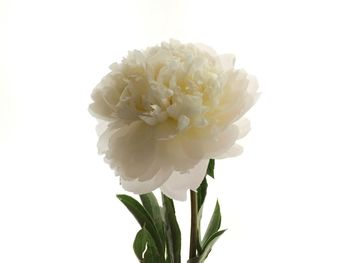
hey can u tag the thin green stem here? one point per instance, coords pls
(169, 243)
(194, 229)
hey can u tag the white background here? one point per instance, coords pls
(286, 199)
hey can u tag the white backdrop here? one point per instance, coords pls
(286, 199)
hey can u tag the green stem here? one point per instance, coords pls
(194, 229)
(168, 239)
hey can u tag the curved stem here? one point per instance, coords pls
(194, 229)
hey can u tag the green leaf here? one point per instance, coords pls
(151, 205)
(145, 247)
(209, 244)
(140, 243)
(199, 219)
(144, 219)
(214, 224)
(207, 248)
(172, 230)
(211, 166)
(202, 192)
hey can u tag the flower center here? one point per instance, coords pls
(165, 83)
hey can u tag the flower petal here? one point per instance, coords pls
(178, 184)
(222, 143)
(99, 108)
(171, 153)
(144, 187)
(243, 125)
(234, 151)
(227, 61)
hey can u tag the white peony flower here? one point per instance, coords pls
(165, 111)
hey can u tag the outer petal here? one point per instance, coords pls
(240, 96)
(235, 150)
(178, 184)
(253, 85)
(144, 187)
(99, 109)
(132, 145)
(172, 153)
(243, 125)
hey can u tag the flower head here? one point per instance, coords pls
(165, 111)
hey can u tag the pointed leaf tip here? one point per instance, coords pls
(209, 245)
(211, 167)
(214, 224)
